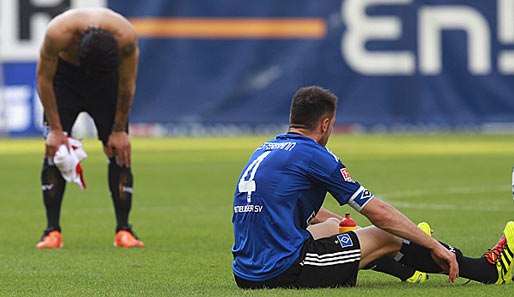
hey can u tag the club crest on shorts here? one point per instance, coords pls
(344, 240)
(346, 175)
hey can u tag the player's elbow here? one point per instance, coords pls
(43, 77)
(43, 82)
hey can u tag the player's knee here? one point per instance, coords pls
(113, 164)
(50, 175)
(333, 222)
(389, 242)
(108, 152)
(125, 174)
(52, 182)
(120, 180)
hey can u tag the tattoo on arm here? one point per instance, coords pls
(117, 127)
(128, 50)
(122, 109)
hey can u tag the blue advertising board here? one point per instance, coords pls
(445, 62)
(23, 112)
(391, 62)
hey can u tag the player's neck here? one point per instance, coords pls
(305, 132)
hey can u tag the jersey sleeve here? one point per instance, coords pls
(328, 171)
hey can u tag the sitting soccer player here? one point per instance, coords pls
(281, 190)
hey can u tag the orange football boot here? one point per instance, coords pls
(126, 238)
(52, 239)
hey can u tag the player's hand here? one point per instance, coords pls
(447, 260)
(119, 145)
(53, 141)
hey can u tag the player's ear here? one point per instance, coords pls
(324, 124)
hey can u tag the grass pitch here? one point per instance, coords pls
(182, 210)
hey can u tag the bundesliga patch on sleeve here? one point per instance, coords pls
(344, 240)
(346, 175)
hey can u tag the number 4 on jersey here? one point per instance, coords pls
(249, 186)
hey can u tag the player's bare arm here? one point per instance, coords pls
(388, 218)
(119, 143)
(55, 41)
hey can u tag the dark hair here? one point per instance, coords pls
(97, 52)
(310, 105)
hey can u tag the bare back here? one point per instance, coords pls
(64, 31)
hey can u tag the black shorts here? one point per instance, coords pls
(327, 262)
(76, 92)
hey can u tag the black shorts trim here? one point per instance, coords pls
(327, 262)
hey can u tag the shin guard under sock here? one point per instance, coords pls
(420, 258)
(52, 185)
(389, 266)
(120, 185)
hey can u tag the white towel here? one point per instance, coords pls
(68, 162)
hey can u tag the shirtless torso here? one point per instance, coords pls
(61, 41)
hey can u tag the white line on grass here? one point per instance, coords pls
(414, 205)
(390, 197)
(452, 190)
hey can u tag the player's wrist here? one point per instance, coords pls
(56, 129)
(434, 244)
(117, 128)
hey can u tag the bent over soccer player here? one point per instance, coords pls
(88, 62)
(281, 190)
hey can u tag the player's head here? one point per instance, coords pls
(97, 52)
(310, 108)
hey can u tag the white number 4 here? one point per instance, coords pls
(248, 186)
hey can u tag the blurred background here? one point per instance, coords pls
(230, 67)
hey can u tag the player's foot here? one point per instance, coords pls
(502, 254)
(50, 239)
(127, 238)
(418, 276)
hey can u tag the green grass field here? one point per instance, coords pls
(182, 210)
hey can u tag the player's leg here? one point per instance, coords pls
(52, 185)
(502, 255)
(120, 179)
(387, 265)
(334, 261)
(52, 182)
(376, 242)
(384, 264)
(120, 185)
(324, 229)
(495, 267)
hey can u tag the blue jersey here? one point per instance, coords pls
(279, 192)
